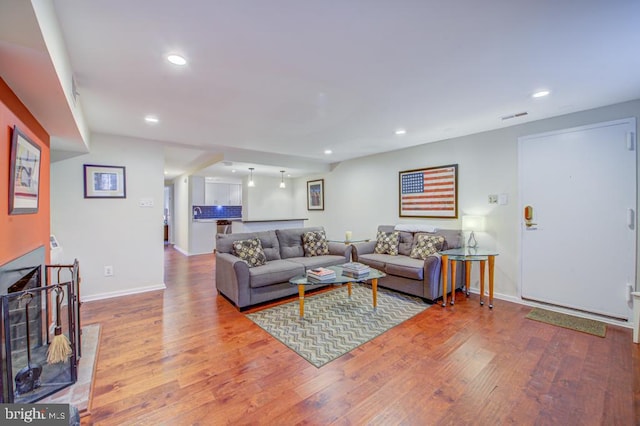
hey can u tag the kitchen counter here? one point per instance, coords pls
(273, 220)
(216, 219)
(265, 224)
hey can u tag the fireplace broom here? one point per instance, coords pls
(60, 347)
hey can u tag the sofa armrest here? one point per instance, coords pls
(341, 249)
(232, 278)
(432, 265)
(432, 279)
(362, 248)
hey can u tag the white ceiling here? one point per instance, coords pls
(275, 83)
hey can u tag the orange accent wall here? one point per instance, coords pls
(19, 234)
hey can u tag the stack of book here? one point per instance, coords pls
(321, 274)
(355, 270)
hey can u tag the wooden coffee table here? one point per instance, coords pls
(302, 282)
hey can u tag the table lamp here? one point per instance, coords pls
(472, 223)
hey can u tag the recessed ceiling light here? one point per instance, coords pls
(176, 59)
(328, 151)
(401, 132)
(540, 94)
(152, 119)
(233, 171)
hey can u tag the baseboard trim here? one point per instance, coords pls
(179, 250)
(553, 308)
(120, 293)
(186, 253)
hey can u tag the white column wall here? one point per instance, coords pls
(182, 213)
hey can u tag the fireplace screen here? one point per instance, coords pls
(33, 317)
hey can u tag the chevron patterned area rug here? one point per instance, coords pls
(334, 323)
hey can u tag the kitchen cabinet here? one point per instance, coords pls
(223, 194)
(235, 194)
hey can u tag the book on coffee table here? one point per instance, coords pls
(321, 274)
(355, 269)
(355, 266)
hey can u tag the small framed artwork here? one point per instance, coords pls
(104, 181)
(429, 192)
(315, 194)
(25, 174)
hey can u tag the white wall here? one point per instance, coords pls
(363, 193)
(267, 201)
(113, 232)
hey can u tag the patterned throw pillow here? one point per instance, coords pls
(315, 243)
(426, 245)
(250, 251)
(387, 242)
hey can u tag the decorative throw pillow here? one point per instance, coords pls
(426, 245)
(387, 242)
(314, 243)
(250, 251)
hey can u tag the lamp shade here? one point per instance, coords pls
(472, 223)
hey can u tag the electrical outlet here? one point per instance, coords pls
(108, 271)
(493, 199)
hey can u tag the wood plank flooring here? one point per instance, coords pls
(186, 356)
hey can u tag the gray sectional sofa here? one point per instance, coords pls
(413, 276)
(285, 258)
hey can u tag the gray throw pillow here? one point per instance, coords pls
(426, 245)
(315, 243)
(250, 251)
(387, 243)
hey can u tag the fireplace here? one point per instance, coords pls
(30, 311)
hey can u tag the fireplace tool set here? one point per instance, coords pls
(36, 316)
(28, 378)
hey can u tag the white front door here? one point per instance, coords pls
(581, 186)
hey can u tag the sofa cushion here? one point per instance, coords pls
(404, 266)
(315, 261)
(426, 245)
(268, 239)
(250, 251)
(387, 243)
(406, 243)
(290, 241)
(376, 261)
(314, 243)
(274, 272)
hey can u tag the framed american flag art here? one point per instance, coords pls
(429, 192)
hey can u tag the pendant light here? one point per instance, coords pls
(282, 184)
(251, 183)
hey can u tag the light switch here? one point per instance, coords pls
(146, 202)
(503, 199)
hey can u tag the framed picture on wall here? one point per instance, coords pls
(315, 194)
(104, 181)
(24, 189)
(429, 192)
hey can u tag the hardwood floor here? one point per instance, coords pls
(186, 356)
